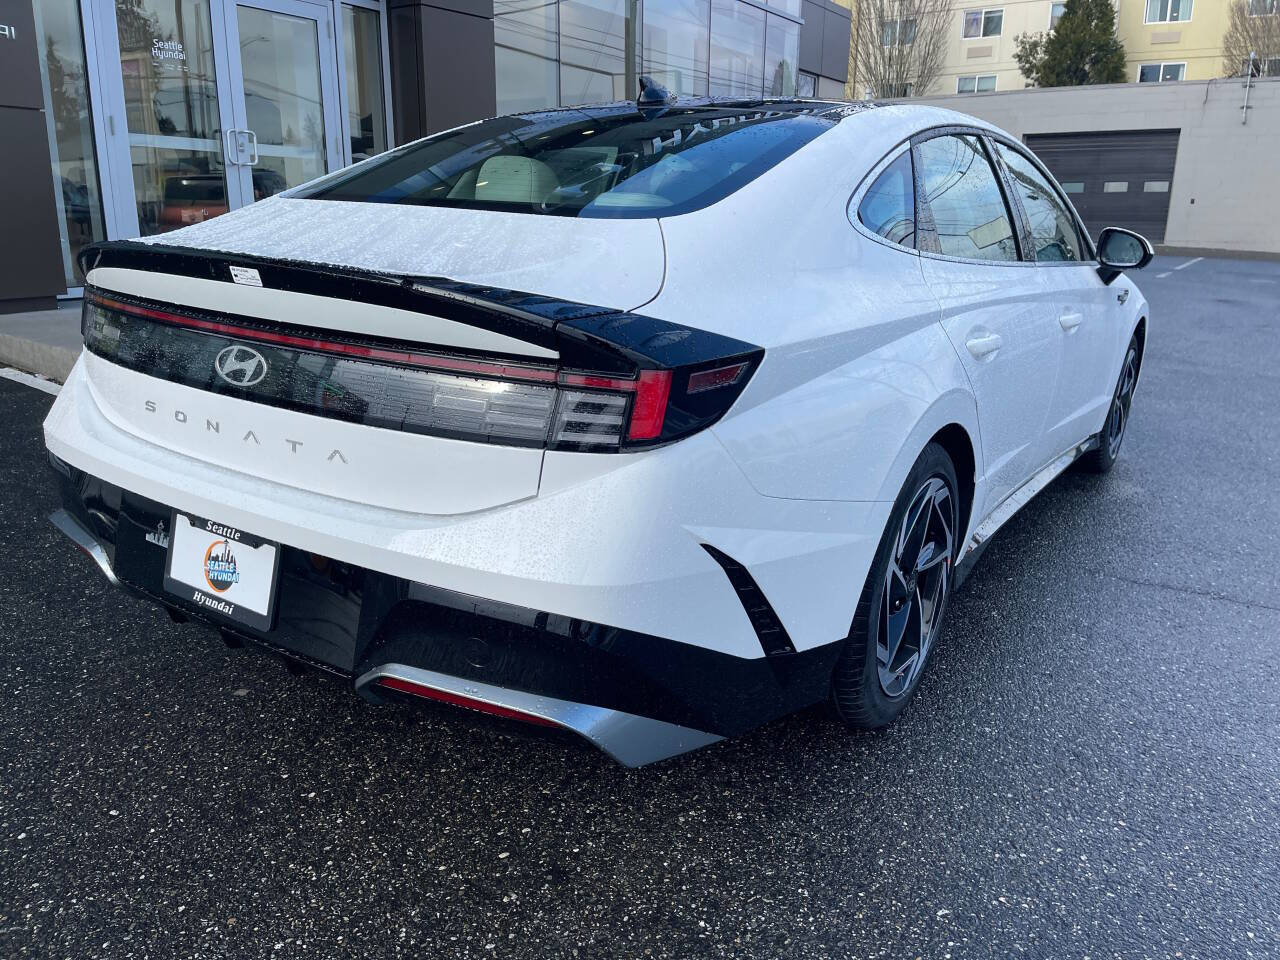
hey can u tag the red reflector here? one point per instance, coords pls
(456, 700)
(650, 408)
(719, 377)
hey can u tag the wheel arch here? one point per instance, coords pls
(951, 422)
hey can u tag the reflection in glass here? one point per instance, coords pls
(171, 111)
(737, 49)
(366, 109)
(593, 39)
(968, 207)
(781, 56)
(675, 44)
(524, 37)
(280, 62)
(66, 109)
(1053, 229)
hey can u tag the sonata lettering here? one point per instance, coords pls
(215, 426)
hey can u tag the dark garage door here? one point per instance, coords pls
(1115, 179)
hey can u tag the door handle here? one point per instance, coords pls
(984, 345)
(1070, 320)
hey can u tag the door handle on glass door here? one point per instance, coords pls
(1070, 320)
(983, 345)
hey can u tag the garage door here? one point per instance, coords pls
(1115, 179)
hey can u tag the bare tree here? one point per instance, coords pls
(900, 45)
(1254, 28)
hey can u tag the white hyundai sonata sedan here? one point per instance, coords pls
(651, 422)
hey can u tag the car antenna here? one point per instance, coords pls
(654, 98)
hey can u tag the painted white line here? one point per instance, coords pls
(1183, 266)
(1161, 276)
(19, 376)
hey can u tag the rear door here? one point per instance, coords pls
(992, 307)
(1074, 293)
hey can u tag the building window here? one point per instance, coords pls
(983, 23)
(1161, 72)
(526, 55)
(737, 49)
(981, 83)
(1168, 11)
(1262, 8)
(362, 59)
(677, 44)
(806, 85)
(781, 55)
(593, 51)
(898, 32)
(67, 116)
(1056, 10)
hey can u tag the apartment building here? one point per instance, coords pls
(1164, 40)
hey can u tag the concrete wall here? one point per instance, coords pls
(1226, 187)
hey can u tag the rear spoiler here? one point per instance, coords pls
(695, 374)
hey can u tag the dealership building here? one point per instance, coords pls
(127, 118)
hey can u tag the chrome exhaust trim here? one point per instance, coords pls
(78, 534)
(630, 739)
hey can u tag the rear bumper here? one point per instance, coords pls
(638, 697)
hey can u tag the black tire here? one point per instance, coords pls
(859, 692)
(1104, 456)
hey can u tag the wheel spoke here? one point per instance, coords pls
(915, 586)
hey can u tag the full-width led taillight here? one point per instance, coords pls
(418, 390)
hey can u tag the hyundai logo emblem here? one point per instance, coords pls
(240, 366)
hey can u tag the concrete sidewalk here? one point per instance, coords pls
(44, 342)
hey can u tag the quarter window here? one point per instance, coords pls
(1168, 11)
(1053, 229)
(964, 196)
(889, 206)
(983, 23)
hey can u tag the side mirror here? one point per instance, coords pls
(1120, 250)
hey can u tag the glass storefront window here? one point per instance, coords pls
(781, 56)
(525, 55)
(362, 59)
(676, 37)
(171, 109)
(786, 6)
(66, 107)
(280, 62)
(737, 49)
(593, 38)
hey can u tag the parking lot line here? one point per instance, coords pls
(1183, 266)
(19, 376)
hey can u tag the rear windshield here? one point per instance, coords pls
(585, 163)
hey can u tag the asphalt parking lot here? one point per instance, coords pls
(1091, 769)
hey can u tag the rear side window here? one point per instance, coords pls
(1053, 229)
(962, 192)
(889, 205)
(584, 163)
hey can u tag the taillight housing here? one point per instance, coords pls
(612, 381)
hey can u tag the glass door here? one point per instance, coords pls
(284, 101)
(167, 117)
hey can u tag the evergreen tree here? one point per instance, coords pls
(1083, 48)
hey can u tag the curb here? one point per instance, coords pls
(39, 358)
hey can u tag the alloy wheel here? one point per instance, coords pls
(1118, 418)
(916, 586)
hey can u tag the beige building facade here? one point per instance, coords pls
(1164, 40)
